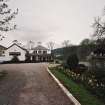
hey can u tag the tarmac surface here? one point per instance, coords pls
(30, 84)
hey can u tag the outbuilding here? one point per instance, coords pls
(17, 51)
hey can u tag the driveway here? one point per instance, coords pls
(30, 84)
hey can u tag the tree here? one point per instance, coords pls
(51, 45)
(85, 42)
(99, 34)
(99, 29)
(66, 47)
(1, 37)
(72, 62)
(28, 57)
(66, 43)
(6, 15)
(15, 59)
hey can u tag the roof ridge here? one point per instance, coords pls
(18, 46)
(3, 46)
(40, 47)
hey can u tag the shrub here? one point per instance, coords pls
(72, 61)
(28, 58)
(65, 66)
(57, 61)
(98, 75)
(81, 69)
(15, 59)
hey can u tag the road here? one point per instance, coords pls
(30, 84)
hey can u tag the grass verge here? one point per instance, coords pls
(78, 90)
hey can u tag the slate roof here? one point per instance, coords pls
(40, 47)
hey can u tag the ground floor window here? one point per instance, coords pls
(14, 53)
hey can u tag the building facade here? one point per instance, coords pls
(2, 53)
(2, 50)
(40, 54)
(36, 54)
(15, 50)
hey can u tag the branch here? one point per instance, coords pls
(7, 20)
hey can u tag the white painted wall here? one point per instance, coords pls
(2, 58)
(15, 48)
(48, 51)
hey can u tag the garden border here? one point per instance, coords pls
(65, 90)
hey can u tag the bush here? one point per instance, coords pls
(57, 61)
(15, 59)
(72, 61)
(65, 66)
(96, 82)
(81, 69)
(28, 58)
(98, 75)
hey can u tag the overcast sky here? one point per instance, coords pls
(54, 20)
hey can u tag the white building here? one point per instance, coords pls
(15, 50)
(39, 49)
(2, 51)
(36, 54)
(40, 54)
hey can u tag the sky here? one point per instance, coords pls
(53, 20)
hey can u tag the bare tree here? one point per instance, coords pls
(99, 28)
(51, 45)
(99, 34)
(66, 43)
(6, 15)
(31, 44)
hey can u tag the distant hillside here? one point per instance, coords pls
(82, 51)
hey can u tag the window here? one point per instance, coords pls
(3, 52)
(44, 52)
(39, 52)
(35, 52)
(15, 53)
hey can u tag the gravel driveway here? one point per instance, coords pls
(30, 84)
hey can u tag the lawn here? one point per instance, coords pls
(78, 90)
